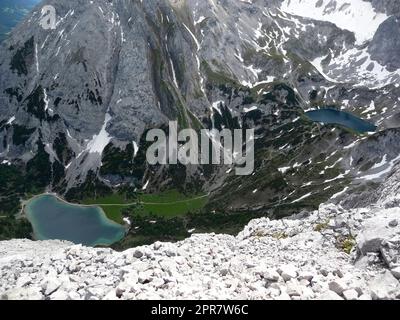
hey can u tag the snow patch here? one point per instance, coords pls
(283, 170)
(246, 110)
(146, 185)
(356, 16)
(11, 120)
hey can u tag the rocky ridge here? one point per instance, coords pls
(332, 254)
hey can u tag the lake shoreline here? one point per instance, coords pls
(342, 118)
(55, 195)
(89, 222)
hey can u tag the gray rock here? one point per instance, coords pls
(375, 231)
(304, 282)
(385, 45)
(145, 277)
(224, 272)
(140, 266)
(373, 258)
(74, 267)
(393, 223)
(365, 297)
(51, 286)
(384, 286)
(131, 278)
(350, 294)
(59, 295)
(396, 272)
(31, 293)
(271, 275)
(390, 251)
(138, 254)
(307, 293)
(120, 262)
(283, 297)
(94, 292)
(294, 289)
(113, 295)
(339, 223)
(288, 272)
(306, 276)
(23, 280)
(73, 295)
(324, 272)
(338, 273)
(338, 286)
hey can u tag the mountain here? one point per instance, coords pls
(77, 101)
(12, 12)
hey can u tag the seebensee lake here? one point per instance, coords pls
(52, 218)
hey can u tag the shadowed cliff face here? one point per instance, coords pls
(114, 69)
(74, 97)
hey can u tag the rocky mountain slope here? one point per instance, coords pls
(75, 98)
(331, 254)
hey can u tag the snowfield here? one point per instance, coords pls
(329, 254)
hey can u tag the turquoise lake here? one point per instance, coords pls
(52, 218)
(333, 116)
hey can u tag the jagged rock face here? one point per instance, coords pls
(113, 69)
(388, 6)
(374, 163)
(385, 46)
